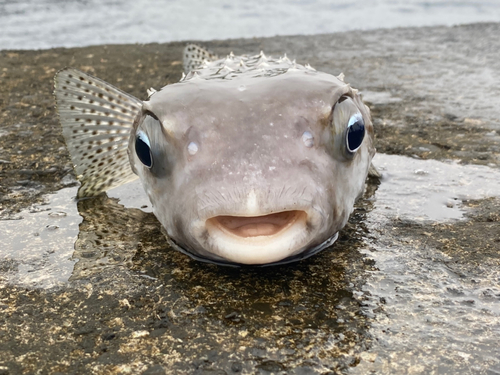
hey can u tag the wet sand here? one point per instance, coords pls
(400, 291)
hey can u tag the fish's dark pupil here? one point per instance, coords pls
(355, 135)
(143, 152)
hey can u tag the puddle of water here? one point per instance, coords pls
(37, 249)
(131, 195)
(430, 190)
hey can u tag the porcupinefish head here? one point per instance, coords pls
(246, 160)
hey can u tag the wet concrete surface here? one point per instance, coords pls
(411, 286)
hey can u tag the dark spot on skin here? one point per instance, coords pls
(82, 79)
(91, 101)
(111, 123)
(68, 82)
(70, 76)
(98, 122)
(64, 87)
(87, 90)
(75, 131)
(89, 120)
(100, 164)
(72, 107)
(100, 95)
(78, 85)
(124, 111)
(92, 111)
(110, 98)
(94, 132)
(77, 119)
(80, 97)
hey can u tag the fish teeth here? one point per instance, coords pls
(341, 77)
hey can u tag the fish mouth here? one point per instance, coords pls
(256, 226)
(258, 239)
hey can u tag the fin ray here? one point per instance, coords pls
(96, 120)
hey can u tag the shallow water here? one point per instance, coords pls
(34, 24)
(424, 309)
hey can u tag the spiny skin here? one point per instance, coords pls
(244, 160)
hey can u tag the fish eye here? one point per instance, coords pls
(143, 149)
(355, 132)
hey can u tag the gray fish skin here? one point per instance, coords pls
(249, 159)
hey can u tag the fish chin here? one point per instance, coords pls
(257, 239)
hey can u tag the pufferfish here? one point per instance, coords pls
(246, 160)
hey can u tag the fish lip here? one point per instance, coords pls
(293, 239)
(223, 262)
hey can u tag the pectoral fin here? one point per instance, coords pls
(96, 120)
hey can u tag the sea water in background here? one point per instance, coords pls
(39, 24)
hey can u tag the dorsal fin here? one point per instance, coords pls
(194, 56)
(96, 120)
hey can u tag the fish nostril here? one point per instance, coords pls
(308, 139)
(192, 148)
